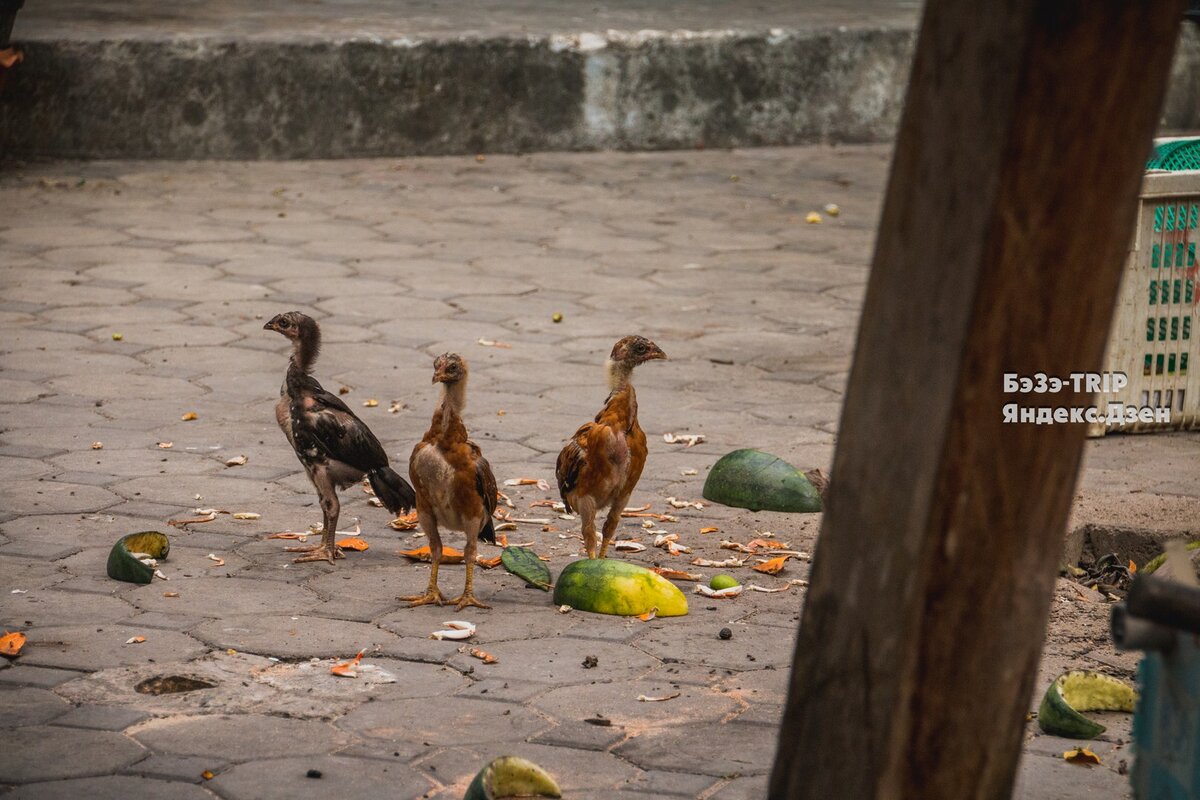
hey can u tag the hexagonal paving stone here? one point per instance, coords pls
(752, 646)
(110, 787)
(97, 647)
(40, 753)
(293, 636)
(221, 597)
(46, 607)
(443, 720)
(728, 749)
(238, 738)
(618, 702)
(286, 779)
(30, 706)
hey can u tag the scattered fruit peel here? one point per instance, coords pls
(124, 566)
(1077, 691)
(511, 777)
(526, 565)
(1081, 755)
(348, 669)
(724, 594)
(11, 644)
(455, 629)
(449, 554)
(353, 543)
(771, 566)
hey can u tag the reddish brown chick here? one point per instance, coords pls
(454, 483)
(601, 464)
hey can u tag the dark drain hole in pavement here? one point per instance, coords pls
(171, 684)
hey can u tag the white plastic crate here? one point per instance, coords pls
(1155, 337)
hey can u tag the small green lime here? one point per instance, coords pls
(720, 582)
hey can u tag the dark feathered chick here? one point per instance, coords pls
(454, 483)
(336, 448)
(602, 462)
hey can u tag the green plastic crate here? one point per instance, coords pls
(1176, 155)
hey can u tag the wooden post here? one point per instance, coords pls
(1007, 219)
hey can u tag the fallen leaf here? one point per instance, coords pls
(686, 439)
(1081, 755)
(629, 545)
(710, 530)
(135, 640)
(165, 445)
(455, 629)
(738, 546)
(189, 416)
(11, 644)
(353, 543)
(236, 461)
(647, 699)
(677, 574)
(404, 522)
(170, 594)
(707, 591)
(220, 561)
(732, 561)
(449, 554)
(370, 402)
(97, 445)
(771, 566)
(492, 343)
(483, 656)
(488, 563)
(348, 669)
(649, 615)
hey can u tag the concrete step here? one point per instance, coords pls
(350, 78)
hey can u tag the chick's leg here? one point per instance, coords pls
(610, 523)
(467, 598)
(330, 510)
(432, 594)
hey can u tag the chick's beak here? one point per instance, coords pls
(270, 326)
(439, 375)
(655, 354)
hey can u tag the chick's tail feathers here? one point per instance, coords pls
(488, 532)
(394, 492)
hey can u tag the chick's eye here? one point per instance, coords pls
(283, 323)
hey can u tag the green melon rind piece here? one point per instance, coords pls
(760, 482)
(611, 586)
(1082, 690)
(511, 776)
(525, 564)
(1153, 564)
(122, 566)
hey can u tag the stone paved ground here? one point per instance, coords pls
(707, 253)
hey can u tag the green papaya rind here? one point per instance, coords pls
(122, 566)
(1082, 690)
(611, 586)
(760, 481)
(511, 776)
(525, 564)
